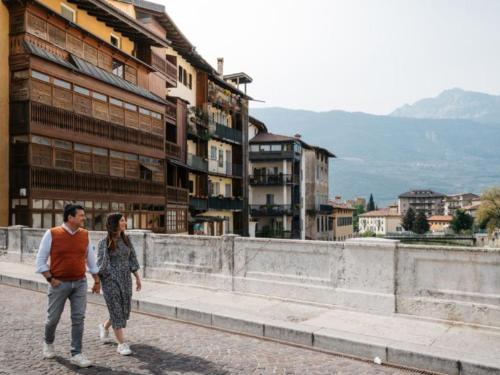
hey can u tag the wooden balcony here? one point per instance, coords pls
(177, 195)
(172, 150)
(226, 204)
(171, 112)
(168, 69)
(63, 121)
(56, 179)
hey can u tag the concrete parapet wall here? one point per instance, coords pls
(371, 275)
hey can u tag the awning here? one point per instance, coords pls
(150, 167)
(178, 163)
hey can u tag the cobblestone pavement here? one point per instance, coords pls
(160, 347)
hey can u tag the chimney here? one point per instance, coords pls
(298, 136)
(220, 66)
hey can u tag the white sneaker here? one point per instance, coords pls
(48, 351)
(124, 349)
(80, 360)
(103, 333)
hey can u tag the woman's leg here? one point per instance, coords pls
(107, 324)
(119, 334)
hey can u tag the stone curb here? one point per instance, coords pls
(285, 333)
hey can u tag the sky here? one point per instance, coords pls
(355, 55)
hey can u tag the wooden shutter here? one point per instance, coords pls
(100, 164)
(41, 92)
(62, 98)
(41, 155)
(100, 109)
(83, 162)
(37, 26)
(90, 53)
(144, 122)
(57, 36)
(116, 114)
(117, 167)
(83, 104)
(131, 119)
(105, 61)
(132, 169)
(131, 74)
(63, 159)
(157, 126)
(74, 45)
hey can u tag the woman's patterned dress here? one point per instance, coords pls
(115, 268)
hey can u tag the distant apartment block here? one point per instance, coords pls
(456, 201)
(428, 201)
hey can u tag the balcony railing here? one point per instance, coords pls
(225, 133)
(271, 179)
(197, 162)
(272, 155)
(257, 210)
(45, 115)
(199, 204)
(227, 168)
(177, 195)
(172, 150)
(166, 67)
(171, 112)
(54, 179)
(217, 203)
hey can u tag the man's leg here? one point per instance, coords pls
(78, 300)
(57, 298)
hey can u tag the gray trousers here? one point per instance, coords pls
(76, 292)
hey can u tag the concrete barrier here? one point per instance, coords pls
(370, 275)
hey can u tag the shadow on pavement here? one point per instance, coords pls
(155, 361)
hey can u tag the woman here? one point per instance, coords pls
(116, 260)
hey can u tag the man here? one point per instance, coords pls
(69, 249)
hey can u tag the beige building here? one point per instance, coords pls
(456, 201)
(341, 219)
(288, 181)
(439, 223)
(381, 222)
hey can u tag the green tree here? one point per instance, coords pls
(359, 209)
(371, 204)
(461, 221)
(488, 214)
(408, 219)
(421, 225)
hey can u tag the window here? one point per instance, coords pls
(117, 68)
(184, 77)
(61, 83)
(317, 225)
(190, 82)
(41, 140)
(98, 96)
(68, 13)
(265, 148)
(116, 102)
(180, 73)
(62, 144)
(213, 153)
(221, 158)
(269, 198)
(275, 147)
(63, 159)
(115, 40)
(254, 148)
(40, 76)
(81, 90)
(131, 107)
(144, 111)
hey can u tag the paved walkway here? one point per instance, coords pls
(424, 344)
(160, 347)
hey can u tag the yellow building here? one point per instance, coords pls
(342, 221)
(4, 115)
(439, 223)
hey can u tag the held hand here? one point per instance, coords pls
(138, 284)
(54, 283)
(96, 288)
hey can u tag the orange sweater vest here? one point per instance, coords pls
(68, 254)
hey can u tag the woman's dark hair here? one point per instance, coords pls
(113, 228)
(70, 210)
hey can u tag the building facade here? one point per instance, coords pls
(288, 187)
(4, 114)
(342, 221)
(456, 201)
(439, 223)
(100, 101)
(380, 222)
(428, 201)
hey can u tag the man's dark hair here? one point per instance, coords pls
(70, 209)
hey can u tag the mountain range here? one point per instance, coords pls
(449, 144)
